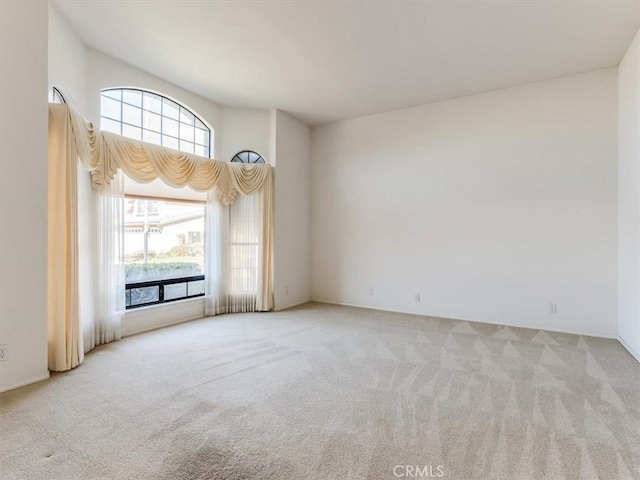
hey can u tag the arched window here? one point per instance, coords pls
(248, 156)
(153, 118)
(55, 96)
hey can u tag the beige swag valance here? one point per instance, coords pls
(102, 153)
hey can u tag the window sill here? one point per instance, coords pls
(142, 319)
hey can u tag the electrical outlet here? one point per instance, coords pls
(553, 308)
(4, 352)
(416, 298)
(286, 290)
(371, 291)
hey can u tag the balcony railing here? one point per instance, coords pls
(142, 294)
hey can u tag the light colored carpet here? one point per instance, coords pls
(327, 392)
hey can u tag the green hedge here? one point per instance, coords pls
(142, 272)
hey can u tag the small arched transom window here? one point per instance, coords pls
(55, 96)
(248, 156)
(153, 118)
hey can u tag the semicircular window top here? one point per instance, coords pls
(55, 96)
(248, 156)
(153, 118)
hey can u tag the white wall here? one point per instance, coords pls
(292, 269)
(490, 206)
(104, 71)
(23, 192)
(157, 316)
(244, 129)
(629, 199)
(67, 61)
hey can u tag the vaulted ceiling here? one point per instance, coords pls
(329, 60)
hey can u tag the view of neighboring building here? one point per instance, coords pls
(163, 239)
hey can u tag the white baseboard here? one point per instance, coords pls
(291, 305)
(144, 319)
(548, 329)
(628, 348)
(25, 382)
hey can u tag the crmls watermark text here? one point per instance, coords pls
(418, 471)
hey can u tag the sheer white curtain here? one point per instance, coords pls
(232, 254)
(215, 254)
(109, 283)
(244, 259)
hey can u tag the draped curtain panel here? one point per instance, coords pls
(264, 301)
(65, 342)
(73, 139)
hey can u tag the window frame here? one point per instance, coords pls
(162, 133)
(56, 94)
(258, 160)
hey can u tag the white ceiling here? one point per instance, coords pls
(330, 60)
